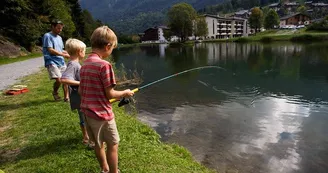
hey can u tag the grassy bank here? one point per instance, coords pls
(280, 35)
(7, 60)
(40, 135)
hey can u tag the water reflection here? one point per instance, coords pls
(266, 113)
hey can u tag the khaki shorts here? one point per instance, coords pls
(55, 72)
(101, 131)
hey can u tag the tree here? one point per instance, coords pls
(58, 9)
(301, 9)
(181, 17)
(271, 19)
(77, 17)
(89, 25)
(200, 28)
(256, 19)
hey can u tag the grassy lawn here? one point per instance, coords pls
(280, 35)
(40, 135)
(6, 60)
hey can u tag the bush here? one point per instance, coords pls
(308, 37)
(241, 40)
(319, 26)
(266, 39)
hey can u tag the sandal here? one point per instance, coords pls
(66, 99)
(56, 96)
(89, 145)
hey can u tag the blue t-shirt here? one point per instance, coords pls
(55, 42)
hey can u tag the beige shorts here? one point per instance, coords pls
(55, 72)
(101, 131)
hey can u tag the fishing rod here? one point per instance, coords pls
(124, 100)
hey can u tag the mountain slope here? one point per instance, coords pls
(133, 16)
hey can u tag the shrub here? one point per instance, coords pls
(266, 39)
(319, 26)
(242, 40)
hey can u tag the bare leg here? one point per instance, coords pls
(101, 156)
(65, 88)
(55, 89)
(112, 158)
(84, 133)
(56, 86)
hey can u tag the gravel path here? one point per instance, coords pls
(11, 73)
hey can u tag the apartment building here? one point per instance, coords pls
(226, 27)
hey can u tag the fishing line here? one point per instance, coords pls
(124, 101)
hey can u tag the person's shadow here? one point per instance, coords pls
(12, 106)
(41, 149)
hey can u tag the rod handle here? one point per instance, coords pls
(117, 99)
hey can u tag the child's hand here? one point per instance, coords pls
(128, 93)
(65, 54)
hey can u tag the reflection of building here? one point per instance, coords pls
(154, 35)
(223, 52)
(230, 51)
(295, 19)
(162, 48)
(226, 27)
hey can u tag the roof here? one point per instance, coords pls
(291, 15)
(320, 4)
(292, 4)
(274, 5)
(157, 27)
(224, 18)
(162, 26)
(317, 20)
(241, 12)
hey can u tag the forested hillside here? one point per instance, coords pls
(25, 21)
(133, 16)
(229, 6)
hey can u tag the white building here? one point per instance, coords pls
(226, 27)
(154, 35)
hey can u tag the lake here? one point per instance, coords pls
(265, 111)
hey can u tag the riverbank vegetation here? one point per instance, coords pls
(6, 60)
(40, 135)
(280, 35)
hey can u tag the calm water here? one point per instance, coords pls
(267, 112)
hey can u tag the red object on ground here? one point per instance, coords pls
(16, 91)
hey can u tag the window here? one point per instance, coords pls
(213, 27)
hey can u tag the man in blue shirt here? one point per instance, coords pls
(54, 53)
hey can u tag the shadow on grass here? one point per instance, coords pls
(11, 106)
(55, 147)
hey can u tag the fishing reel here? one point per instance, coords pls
(124, 101)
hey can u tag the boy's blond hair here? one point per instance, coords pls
(102, 36)
(72, 46)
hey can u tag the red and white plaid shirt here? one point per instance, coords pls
(96, 75)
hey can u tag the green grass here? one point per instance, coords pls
(40, 135)
(280, 35)
(7, 60)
